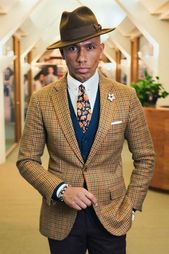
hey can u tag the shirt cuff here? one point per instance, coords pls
(57, 191)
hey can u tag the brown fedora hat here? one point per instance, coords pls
(78, 25)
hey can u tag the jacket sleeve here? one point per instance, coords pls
(141, 147)
(30, 151)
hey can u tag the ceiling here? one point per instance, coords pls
(36, 22)
(155, 7)
(159, 8)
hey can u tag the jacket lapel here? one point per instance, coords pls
(60, 101)
(107, 113)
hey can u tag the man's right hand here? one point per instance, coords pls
(79, 198)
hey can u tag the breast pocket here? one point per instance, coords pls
(116, 132)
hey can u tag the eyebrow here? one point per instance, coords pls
(86, 44)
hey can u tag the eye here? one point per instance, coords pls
(91, 46)
(72, 48)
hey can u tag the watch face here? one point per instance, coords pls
(61, 193)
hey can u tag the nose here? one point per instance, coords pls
(82, 55)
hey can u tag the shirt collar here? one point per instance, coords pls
(90, 84)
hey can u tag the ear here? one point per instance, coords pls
(62, 52)
(102, 46)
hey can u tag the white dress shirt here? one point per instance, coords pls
(91, 87)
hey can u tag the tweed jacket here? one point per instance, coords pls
(48, 122)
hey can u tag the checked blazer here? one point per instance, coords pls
(49, 123)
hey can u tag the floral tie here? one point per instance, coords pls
(83, 109)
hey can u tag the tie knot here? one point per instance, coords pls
(82, 89)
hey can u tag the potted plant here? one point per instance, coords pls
(149, 90)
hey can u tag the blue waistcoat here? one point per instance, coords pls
(85, 140)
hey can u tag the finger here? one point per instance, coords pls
(83, 201)
(94, 202)
(87, 201)
(82, 204)
(91, 197)
(76, 206)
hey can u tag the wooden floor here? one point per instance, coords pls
(19, 216)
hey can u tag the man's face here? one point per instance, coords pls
(82, 58)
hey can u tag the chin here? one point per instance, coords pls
(83, 78)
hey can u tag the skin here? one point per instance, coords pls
(50, 70)
(82, 60)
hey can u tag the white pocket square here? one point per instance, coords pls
(116, 122)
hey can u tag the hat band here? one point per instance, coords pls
(73, 34)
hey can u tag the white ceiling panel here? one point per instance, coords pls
(108, 13)
(6, 5)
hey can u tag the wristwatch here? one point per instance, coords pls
(61, 193)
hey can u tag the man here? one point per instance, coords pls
(84, 119)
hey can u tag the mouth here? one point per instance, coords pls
(82, 70)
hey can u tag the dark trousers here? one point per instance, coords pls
(88, 234)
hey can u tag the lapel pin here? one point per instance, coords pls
(111, 97)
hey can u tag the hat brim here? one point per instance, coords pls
(62, 44)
